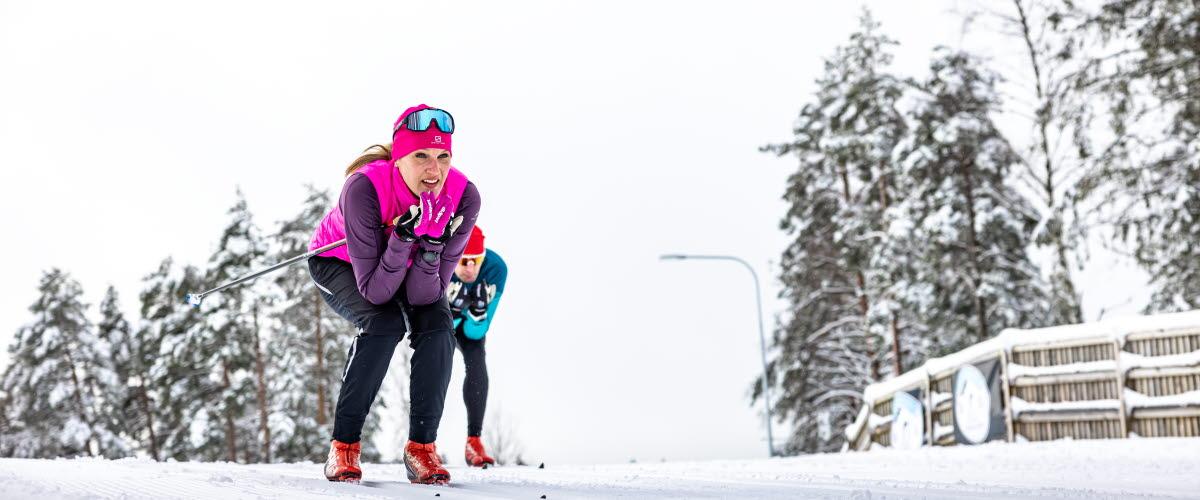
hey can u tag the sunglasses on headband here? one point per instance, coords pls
(419, 121)
(465, 260)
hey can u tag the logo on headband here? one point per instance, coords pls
(437, 139)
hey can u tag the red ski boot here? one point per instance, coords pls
(342, 464)
(423, 464)
(476, 457)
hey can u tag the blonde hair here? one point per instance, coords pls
(373, 153)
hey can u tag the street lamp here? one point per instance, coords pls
(761, 339)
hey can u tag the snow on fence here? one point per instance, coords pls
(1135, 376)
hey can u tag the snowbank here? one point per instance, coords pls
(1149, 468)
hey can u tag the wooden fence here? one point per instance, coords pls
(1112, 379)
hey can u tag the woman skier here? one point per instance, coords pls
(406, 215)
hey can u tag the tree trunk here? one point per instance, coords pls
(145, 399)
(861, 281)
(320, 375)
(230, 435)
(78, 396)
(896, 365)
(1068, 286)
(973, 248)
(895, 330)
(260, 375)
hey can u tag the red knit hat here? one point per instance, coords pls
(475, 244)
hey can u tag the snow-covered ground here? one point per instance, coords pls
(1130, 468)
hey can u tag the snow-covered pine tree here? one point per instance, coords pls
(1148, 175)
(895, 282)
(9, 433)
(51, 406)
(308, 350)
(828, 350)
(170, 376)
(236, 421)
(975, 277)
(117, 411)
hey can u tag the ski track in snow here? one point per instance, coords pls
(1130, 468)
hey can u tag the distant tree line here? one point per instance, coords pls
(251, 376)
(919, 228)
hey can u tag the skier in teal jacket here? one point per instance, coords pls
(474, 292)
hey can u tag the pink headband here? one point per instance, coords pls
(405, 141)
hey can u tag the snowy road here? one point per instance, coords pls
(1134, 468)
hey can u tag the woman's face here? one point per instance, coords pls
(424, 169)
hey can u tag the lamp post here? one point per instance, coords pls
(761, 338)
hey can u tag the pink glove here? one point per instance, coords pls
(436, 212)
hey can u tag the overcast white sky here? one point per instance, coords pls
(600, 134)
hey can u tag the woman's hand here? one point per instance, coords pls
(407, 223)
(436, 213)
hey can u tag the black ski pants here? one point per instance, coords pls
(380, 328)
(475, 384)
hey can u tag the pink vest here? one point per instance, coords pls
(394, 199)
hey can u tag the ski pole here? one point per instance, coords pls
(195, 298)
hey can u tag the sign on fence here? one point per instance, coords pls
(908, 420)
(978, 403)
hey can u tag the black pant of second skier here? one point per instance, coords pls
(475, 384)
(380, 328)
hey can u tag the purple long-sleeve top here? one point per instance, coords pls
(381, 260)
